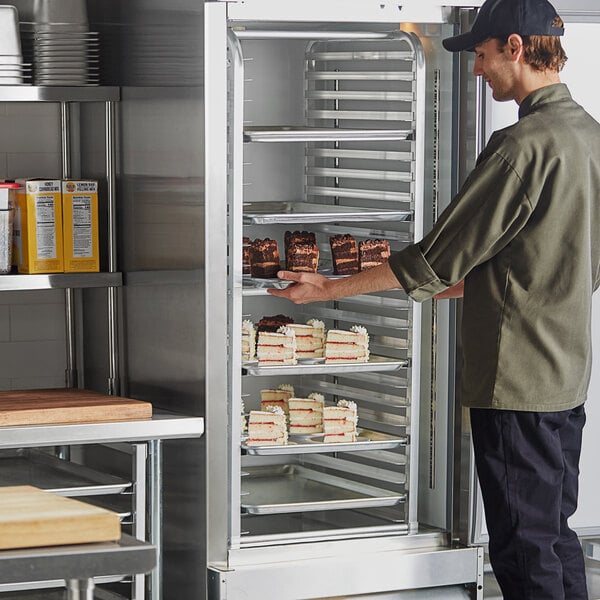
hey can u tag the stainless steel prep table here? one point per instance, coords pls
(77, 564)
(148, 433)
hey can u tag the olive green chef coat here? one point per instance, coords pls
(524, 234)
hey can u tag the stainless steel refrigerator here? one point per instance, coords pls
(335, 122)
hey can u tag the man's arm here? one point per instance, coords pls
(456, 291)
(312, 287)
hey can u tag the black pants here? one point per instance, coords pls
(528, 468)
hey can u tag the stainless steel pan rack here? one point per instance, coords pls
(362, 139)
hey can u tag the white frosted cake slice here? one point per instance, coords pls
(244, 422)
(278, 397)
(339, 422)
(309, 338)
(347, 346)
(277, 348)
(267, 427)
(306, 414)
(248, 340)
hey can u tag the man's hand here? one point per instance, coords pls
(308, 287)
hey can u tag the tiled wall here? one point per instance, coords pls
(32, 323)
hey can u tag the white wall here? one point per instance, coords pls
(579, 38)
(32, 324)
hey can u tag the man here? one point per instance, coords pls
(521, 241)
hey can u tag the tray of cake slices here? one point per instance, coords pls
(316, 444)
(261, 259)
(286, 424)
(277, 489)
(322, 367)
(278, 346)
(268, 213)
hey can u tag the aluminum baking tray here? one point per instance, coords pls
(317, 366)
(257, 283)
(311, 444)
(65, 478)
(293, 488)
(268, 213)
(322, 134)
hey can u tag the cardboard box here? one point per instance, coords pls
(37, 230)
(80, 226)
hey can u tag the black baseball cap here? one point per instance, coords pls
(497, 18)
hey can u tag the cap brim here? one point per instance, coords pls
(464, 41)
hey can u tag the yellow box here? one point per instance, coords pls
(37, 233)
(80, 225)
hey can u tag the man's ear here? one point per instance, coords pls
(514, 45)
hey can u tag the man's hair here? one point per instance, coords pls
(542, 52)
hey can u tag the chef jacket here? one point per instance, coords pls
(524, 234)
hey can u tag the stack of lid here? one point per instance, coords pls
(55, 35)
(13, 71)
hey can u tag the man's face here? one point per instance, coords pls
(494, 65)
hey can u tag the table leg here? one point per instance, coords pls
(80, 589)
(155, 515)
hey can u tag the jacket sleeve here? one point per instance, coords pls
(488, 212)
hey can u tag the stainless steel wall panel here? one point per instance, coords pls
(155, 53)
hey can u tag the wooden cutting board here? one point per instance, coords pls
(45, 407)
(30, 518)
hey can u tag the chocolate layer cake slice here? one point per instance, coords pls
(246, 255)
(302, 257)
(344, 254)
(264, 259)
(297, 237)
(373, 253)
(273, 323)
